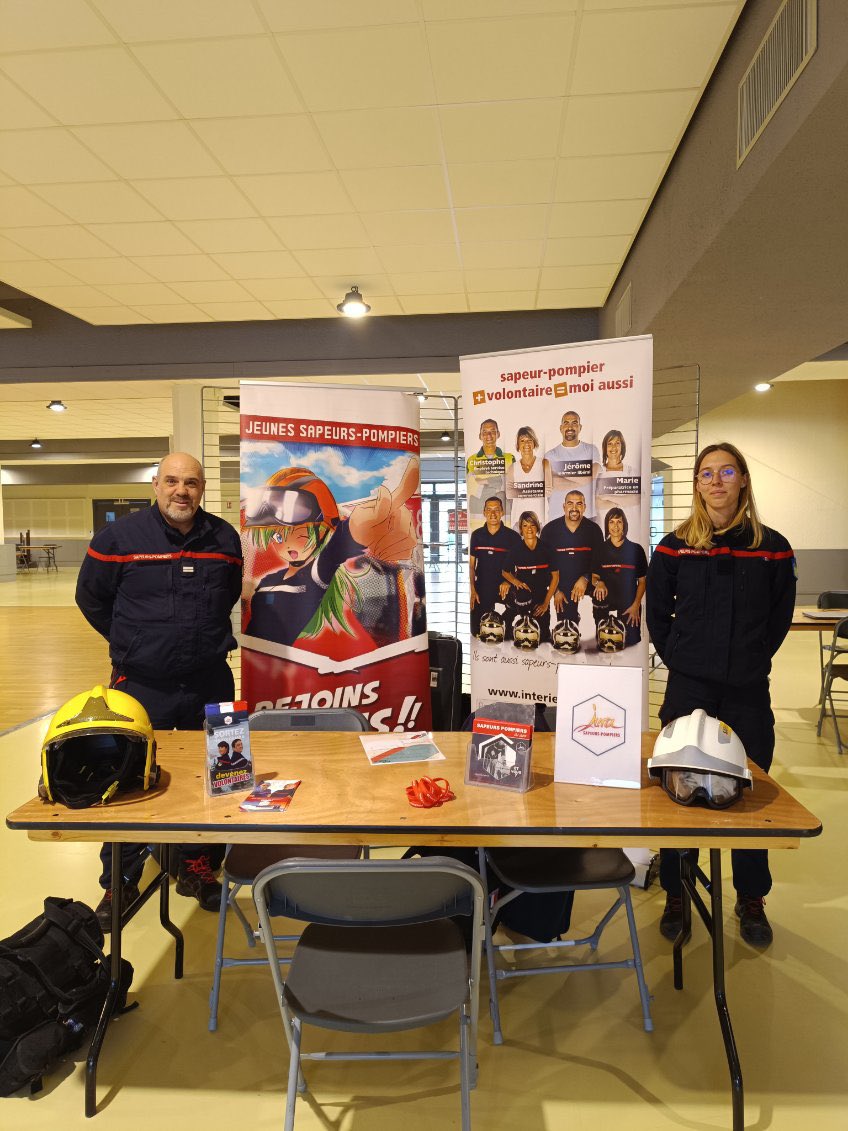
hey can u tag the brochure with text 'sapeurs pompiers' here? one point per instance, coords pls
(229, 766)
(500, 749)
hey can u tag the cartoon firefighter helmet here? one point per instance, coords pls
(699, 759)
(292, 497)
(492, 628)
(611, 633)
(526, 633)
(565, 636)
(98, 743)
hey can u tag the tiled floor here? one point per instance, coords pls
(575, 1055)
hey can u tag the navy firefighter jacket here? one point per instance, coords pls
(721, 613)
(161, 598)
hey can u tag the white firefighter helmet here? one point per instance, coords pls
(699, 758)
(565, 636)
(526, 633)
(611, 634)
(492, 628)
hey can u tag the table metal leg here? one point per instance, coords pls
(164, 912)
(713, 919)
(120, 914)
(717, 934)
(114, 986)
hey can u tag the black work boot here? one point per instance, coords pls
(103, 910)
(754, 927)
(196, 878)
(672, 917)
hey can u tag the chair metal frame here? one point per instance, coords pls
(313, 903)
(323, 719)
(829, 599)
(831, 671)
(621, 886)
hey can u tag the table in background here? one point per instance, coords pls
(345, 800)
(24, 549)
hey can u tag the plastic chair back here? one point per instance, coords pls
(322, 718)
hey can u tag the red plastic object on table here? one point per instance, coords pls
(426, 793)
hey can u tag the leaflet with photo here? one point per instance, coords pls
(229, 766)
(274, 794)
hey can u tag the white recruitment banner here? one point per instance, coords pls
(558, 450)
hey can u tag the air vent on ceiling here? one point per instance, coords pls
(787, 47)
(624, 312)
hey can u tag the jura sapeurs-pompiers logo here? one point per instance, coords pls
(598, 724)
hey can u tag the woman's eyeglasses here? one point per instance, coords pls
(725, 474)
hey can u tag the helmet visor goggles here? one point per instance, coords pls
(282, 506)
(688, 787)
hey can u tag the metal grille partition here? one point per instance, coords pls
(676, 416)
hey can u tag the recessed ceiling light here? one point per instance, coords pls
(36, 444)
(446, 436)
(58, 406)
(762, 387)
(353, 304)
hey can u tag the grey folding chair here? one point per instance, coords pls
(830, 599)
(834, 670)
(560, 870)
(380, 954)
(244, 862)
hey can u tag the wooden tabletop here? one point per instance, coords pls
(824, 620)
(343, 799)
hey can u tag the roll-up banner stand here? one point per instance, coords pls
(333, 610)
(558, 446)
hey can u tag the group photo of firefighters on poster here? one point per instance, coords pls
(333, 606)
(557, 446)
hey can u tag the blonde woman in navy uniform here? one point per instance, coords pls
(720, 595)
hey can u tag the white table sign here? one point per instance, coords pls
(599, 731)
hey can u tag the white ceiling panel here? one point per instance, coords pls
(115, 269)
(360, 68)
(149, 149)
(230, 235)
(365, 139)
(99, 202)
(488, 60)
(502, 254)
(30, 25)
(294, 15)
(502, 131)
(70, 85)
(609, 178)
(196, 198)
(178, 268)
(175, 312)
(289, 144)
(388, 190)
(344, 230)
(144, 239)
(626, 123)
(46, 156)
(296, 194)
(252, 159)
(71, 242)
(420, 257)
(649, 49)
(18, 111)
(224, 78)
(179, 19)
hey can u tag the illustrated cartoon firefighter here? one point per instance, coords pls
(332, 568)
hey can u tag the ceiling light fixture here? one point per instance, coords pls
(446, 436)
(762, 387)
(36, 444)
(58, 406)
(353, 305)
(421, 398)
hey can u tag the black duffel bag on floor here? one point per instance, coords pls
(54, 978)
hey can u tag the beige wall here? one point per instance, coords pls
(63, 509)
(795, 439)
